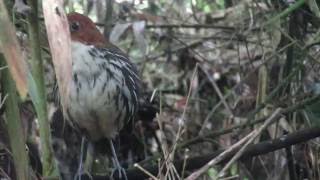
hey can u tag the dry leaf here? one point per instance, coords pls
(12, 52)
(138, 31)
(21, 7)
(60, 44)
(117, 31)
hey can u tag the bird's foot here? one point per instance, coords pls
(83, 175)
(117, 167)
(83, 171)
(119, 173)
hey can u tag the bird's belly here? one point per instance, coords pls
(102, 93)
(95, 105)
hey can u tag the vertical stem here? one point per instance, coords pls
(108, 19)
(38, 74)
(70, 5)
(262, 88)
(14, 125)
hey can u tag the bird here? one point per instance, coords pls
(105, 87)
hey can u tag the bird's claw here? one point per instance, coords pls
(83, 175)
(120, 171)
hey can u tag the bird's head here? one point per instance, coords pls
(83, 30)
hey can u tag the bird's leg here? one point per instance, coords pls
(116, 163)
(90, 156)
(81, 170)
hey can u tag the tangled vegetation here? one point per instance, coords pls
(231, 89)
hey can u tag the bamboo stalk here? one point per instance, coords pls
(14, 125)
(38, 75)
(285, 13)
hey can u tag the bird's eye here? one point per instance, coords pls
(74, 26)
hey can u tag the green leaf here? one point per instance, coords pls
(221, 4)
(234, 169)
(313, 113)
(314, 7)
(213, 173)
(33, 92)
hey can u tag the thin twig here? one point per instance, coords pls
(253, 150)
(218, 91)
(145, 171)
(295, 107)
(188, 26)
(182, 119)
(238, 84)
(219, 158)
(256, 133)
